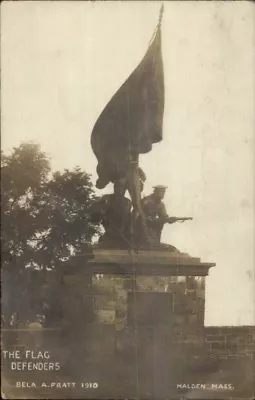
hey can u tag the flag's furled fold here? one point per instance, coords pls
(132, 120)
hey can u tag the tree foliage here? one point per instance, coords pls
(45, 223)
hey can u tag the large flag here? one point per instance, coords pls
(132, 120)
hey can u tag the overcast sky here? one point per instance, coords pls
(62, 62)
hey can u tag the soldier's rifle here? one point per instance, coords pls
(169, 220)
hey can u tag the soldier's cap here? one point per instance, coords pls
(160, 187)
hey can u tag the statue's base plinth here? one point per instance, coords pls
(146, 262)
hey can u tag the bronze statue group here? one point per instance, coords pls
(129, 125)
(125, 225)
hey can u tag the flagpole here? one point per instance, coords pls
(158, 26)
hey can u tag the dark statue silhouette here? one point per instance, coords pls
(128, 126)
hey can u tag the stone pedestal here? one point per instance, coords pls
(173, 281)
(150, 299)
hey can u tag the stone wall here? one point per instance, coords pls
(215, 344)
(230, 341)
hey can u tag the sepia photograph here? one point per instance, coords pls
(128, 200)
